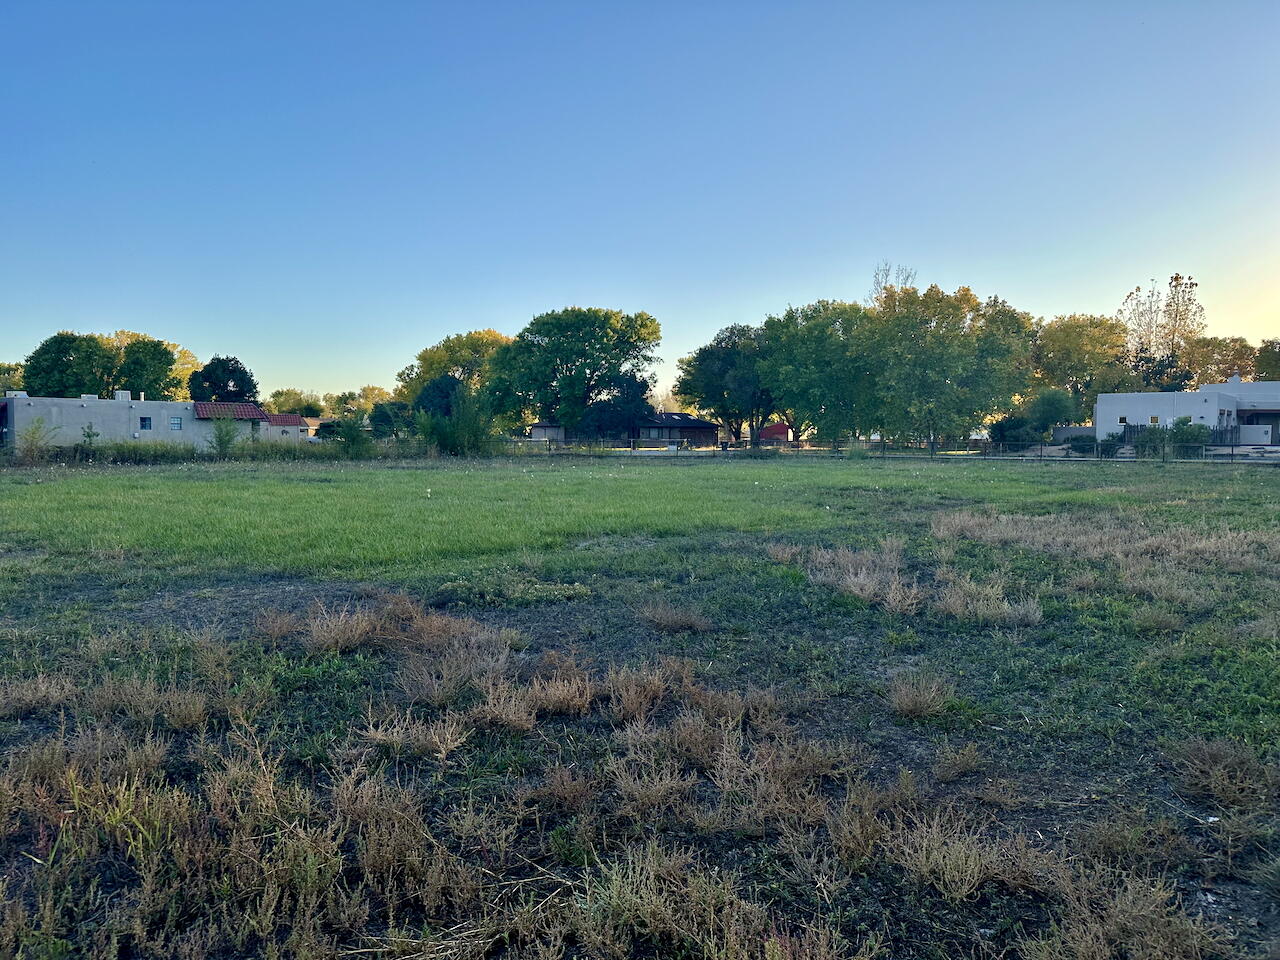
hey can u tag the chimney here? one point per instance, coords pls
(123, 395)
(141, 396)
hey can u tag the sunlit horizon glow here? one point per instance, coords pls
(324, 189)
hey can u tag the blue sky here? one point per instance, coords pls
(325, 188)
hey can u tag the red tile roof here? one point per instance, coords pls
(286, 420)
(208, 410)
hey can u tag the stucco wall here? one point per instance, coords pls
(1140, 408)
(114, 420)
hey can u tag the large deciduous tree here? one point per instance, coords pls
(620, 413)
(293, 400)
(946, 363)
(438, 395)
(723, 380)
(184, 361)
(815, 367)
(146, 367)
(464, 356)
(71, 365)
(1266, 366)
(1085, 355)
(1214, 359)
(223, 378)
(1161, 325)
(10, 376)
(566, 360)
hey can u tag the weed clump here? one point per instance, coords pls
(920, 694)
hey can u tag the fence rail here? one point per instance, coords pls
(1077, 450)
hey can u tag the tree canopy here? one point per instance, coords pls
(1085, 355)
(1215, 359)
(184, 362)
(1267, 362)
(723, 380)
(71, 365)
(223, 378)
(463, 356)
(292, 400)
(566, 360)
(10, 376)
(146, 367)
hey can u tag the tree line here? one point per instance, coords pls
(926, 364)
(904, 362)
(70, 364)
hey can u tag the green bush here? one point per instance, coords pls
(1086, 446)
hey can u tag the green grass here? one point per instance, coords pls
(370, 521)
(111, 575)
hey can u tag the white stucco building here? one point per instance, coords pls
(1252, 407)
(123, 419)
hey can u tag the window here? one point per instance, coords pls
(1123, 420)
(144, 423)
(175, 423)
(1154, 420)
(284, 433)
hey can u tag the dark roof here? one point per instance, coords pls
(681, 420)
(286, 420)
(209, 409)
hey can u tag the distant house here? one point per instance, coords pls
(287, 426)
(694, 431)
(1248, 413)
(546, 430)
(670, 427)
(776, 433)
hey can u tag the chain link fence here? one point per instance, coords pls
(1077, 449)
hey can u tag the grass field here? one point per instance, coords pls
(607, 708)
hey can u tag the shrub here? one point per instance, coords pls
(1086, 446)
(351, 433)
(35, 441)
(225, 434)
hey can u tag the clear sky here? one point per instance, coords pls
(324, 188)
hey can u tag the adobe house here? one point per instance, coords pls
(124, 419)
(1247, 413)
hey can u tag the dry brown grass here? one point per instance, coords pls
(565, 787)
(984, 603)
(147, 702)
(783, 552)
(1138, 547)
(952, 762)
(664, 616)
(646, 784)
(919, 694)
(1225, 772)
(445, 657)
(1129, 918)
(635, 693)
(276, 625)
(944, 851)
(401, 734)
(40, 693)
(338, 629)
(567, 691)
(504, 705)
(871, 575)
